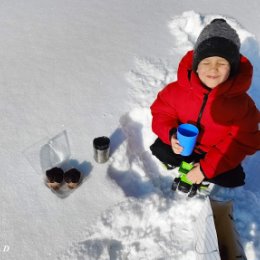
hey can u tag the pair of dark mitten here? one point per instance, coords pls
(56, 176)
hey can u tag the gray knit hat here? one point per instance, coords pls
(218, 39)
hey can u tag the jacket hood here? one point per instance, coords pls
(234, 86)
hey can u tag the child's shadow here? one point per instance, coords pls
(84, 168)
(143, 176)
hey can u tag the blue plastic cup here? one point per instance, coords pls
(187, 135)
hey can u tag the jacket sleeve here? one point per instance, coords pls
(243, 139)
(164, 116)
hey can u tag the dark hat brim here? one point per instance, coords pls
(217, 46)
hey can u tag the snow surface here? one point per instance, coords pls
(93, 68)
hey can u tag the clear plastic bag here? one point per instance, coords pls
(49, 152)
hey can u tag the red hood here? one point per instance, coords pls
(234, 86)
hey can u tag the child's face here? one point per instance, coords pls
(213, 71)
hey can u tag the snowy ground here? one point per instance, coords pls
(93, 69)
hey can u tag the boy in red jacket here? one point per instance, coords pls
(210, 92)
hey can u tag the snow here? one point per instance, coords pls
(93, 68)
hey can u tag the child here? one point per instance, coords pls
(210, 92)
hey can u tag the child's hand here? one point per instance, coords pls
(195, 175)
(177, 149)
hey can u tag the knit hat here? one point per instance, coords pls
(218, 39)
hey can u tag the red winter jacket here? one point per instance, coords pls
(226, 116)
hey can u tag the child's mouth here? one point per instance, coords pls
(212, 77)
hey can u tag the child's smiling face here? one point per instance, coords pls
(213, 71)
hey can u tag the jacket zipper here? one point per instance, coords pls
(205, 99)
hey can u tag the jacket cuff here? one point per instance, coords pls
(172, 132)
(203, 172)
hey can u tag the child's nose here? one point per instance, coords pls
(213, 66)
